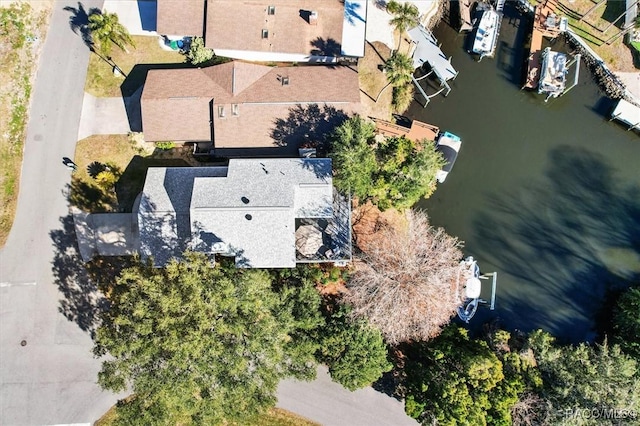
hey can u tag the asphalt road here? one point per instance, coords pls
(51, 380)
(46, 302)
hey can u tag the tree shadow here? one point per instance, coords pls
(510, 56)
(82, 301)
(613, 10)
(566, 242)
(79, 21)
(308, 124)
(353, 13)
(325, 47)
(89, 197)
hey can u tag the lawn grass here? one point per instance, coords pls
(274, 417)
(617, 54)
(373, 80)
(102, 82)
(128, 161)
(23, 31)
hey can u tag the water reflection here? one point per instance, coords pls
(547, 194)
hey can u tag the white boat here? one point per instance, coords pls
(448, 145)
(486, 39)
(553, 75)
(470, 273)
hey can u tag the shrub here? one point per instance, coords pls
(166, 145)
(197, 53)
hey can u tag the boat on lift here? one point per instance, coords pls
(470, 272)
(553, 76)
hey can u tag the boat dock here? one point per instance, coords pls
(418, 130)
(465, 15)
(545, 24)
(627, 113)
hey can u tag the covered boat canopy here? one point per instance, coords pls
(427, 51)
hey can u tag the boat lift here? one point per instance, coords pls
(473, 287)
(427, 51)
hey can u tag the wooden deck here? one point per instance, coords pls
(541, 28)
(418, 130)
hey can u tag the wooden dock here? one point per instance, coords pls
(417, 132)
(545, 24)
(465, 15)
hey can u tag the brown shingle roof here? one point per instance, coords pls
(238, 25)
(176, 103)
(180, 17)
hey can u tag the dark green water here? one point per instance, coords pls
(546, 194)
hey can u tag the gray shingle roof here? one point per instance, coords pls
(250, 207)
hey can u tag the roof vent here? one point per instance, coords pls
(271, 10)
(248, 216)
(265, 33)
(245, 200)
(285, 81)
(313, 18)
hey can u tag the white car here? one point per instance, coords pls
(449, 145)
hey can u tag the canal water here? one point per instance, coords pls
(546, 194)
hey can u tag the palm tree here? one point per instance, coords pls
(106, 29)
(399, 70)
(405, 16)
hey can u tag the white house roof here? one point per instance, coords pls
(354, 28)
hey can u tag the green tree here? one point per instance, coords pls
(354, 158)
(455, 380)
(405, 16)
(402, 97)
(391, 172)
(202, 345)
(198, 54)
(585, 377)
(354, 351)
(398, 69)
(626, 322)
(106, 179)
(106, 30)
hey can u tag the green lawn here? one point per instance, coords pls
(129, 162)
(590, 18)
(146, 55)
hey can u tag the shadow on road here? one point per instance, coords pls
(79, 21)
(81, 301)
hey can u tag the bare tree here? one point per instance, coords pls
(530, 410)
(406, 283)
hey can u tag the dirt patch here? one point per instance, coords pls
(373, 80)
(368, 220)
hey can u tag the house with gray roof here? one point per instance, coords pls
(265, 213)
(270, 30)
(240, 105)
